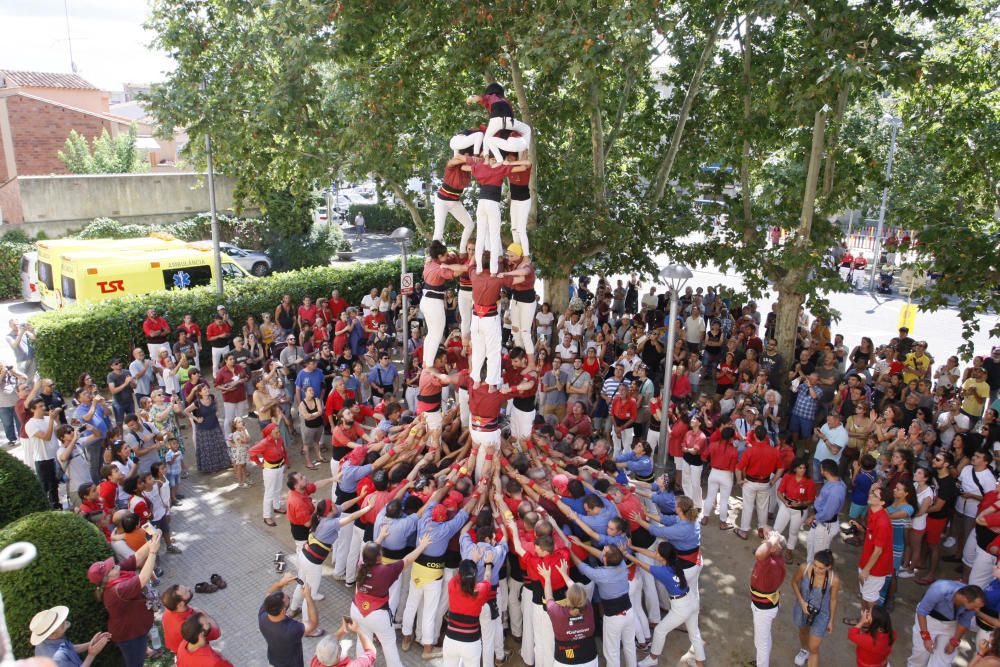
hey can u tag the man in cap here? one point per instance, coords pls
(48, 636)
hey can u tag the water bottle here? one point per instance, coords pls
(154, 637)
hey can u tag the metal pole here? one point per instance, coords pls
(661, 447)
(406, 310)
(895, 122)
(217, 258)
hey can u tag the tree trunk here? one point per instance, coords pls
(659, 185)
(597, 153)
(786, 328)
(556, 292)
(831, 153)
(749, 233)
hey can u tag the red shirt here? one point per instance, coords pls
(522, 178)
(761, 461)
(515, 376)
(337, 306)
(157, 324)
(172, 622)
(467, 605)
(457, 358)
(527, 281)
(786, 455)
(675, 443)
(270, 450)
(203, 657)
(193, 330)
(308, 314)
(768, 574)
(343, 435)
(216, 328)
(484, 404)
(878, 534)
(335, 402)
(99, 506)
(373, 319)
(435, 275)
(486, 287)
(366, 659)
(300, 506)
(630, 503)
(456, 179)
(797, 490)
(624, 409)
(139, 506)
(108, 492)
(428, 392)
(487, 175)
(128, 616)
(238, 393)
(530, 563)
(584, 426)
(721, 454)
(871, 652)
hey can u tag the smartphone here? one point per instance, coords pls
(150, 530)
(299, 581)
(347, 621)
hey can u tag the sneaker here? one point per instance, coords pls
(318, 597)
(647, 662)
(949, 542)
(802, 657)
(905, 573)
(173, 549)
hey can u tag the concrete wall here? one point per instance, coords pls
(97, 101)
(57, 204)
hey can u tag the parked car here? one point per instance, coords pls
(256, 263)
(29, 277)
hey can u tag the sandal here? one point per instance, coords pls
(309, 467)
(725, 526)
(318, 632)
(849, 621)
(270, 522)
(741, 534)
(219, 582)
(205, 587)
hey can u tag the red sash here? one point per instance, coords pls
(367, 604)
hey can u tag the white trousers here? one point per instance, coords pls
(941, 633)
(272, 490)
(424, 599)
(492, 629)
(522, 314)
(461, 654)
(641, 621)
(969, 550)
(410, 395)
(463, 407)
(443, 207)
(982, 567)
(230, 411)
(341, 549)
(720, 483)
(398, 590)
(460, 141)
(619, 630)
(378, 624)
(683, 611)
(495, 144)
(519, 212)
(755, 495)
(354, 552)
(820, 537)
(513, 605)
(650, 594)
(217, 354)
(310, 573)
(793, 520)
(762, 621)
(691, 483)
(433, 311)
(486, 442)
(528, 628)
(442, 608)
(521, 422)
(488, 234)
(653, 438)
(486, 346)
(545, 639)
(465, 311)
(623, 443)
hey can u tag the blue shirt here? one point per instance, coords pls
(805, 405)
(862, 485)
(992, 592)
(612, 582)
(599, 522)
(940, 598)
(61, 652)
(607, 540)
(829, 501)
(143, 381)
(312, 379)
(441, 532)
(400, 530)
(383, 377)
(97, 420)
(666, 576)
(350, 475)
(684, 535)
(665, 501)
(467, 546)
(640, 466)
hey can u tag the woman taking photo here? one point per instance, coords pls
(873, 636)
(370, 607)
(211, 450)
(311, 412)
(463, 636)
(695, 442)
(573, 625)
(796, 493)
(816, 588)
(685, 603)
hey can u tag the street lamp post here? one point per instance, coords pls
(895, 124)
(403, 235)
(216, 256)
(675, 275)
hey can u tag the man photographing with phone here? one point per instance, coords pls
(330, 650)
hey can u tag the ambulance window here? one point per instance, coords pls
(45, 275)
(69, 287)
(188, 276)
(231, 271)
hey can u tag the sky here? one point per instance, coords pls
(110, 46)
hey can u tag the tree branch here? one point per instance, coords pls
(831, 153)
(749, 233)
(408, 203)
(812, 178)
(623, 98)
(597, 152)
(659, 184)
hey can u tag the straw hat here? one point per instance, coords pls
(44, 623)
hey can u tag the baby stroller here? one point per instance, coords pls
(884, 283)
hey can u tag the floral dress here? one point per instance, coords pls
(165, 419)
(239, 443)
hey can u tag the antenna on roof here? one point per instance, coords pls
(69, 37)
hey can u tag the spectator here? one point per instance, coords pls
(282, 633)
(121, 384)
(48, 636)
(21, 339)
(231, 380)
(218, 335)
(195, 649)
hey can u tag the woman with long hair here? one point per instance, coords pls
(573, 624)
(341, 330)
(370, 607)
(796, 493)
(923, 481)
(463, 635)
(873, 636)
(685, 603)
(311, 412)
(904, 504)
(816, 587)
(863, 352)
(211, 450)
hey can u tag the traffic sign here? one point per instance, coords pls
(406, 282)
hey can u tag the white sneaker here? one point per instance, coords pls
(949, 542)
(647, 662)
(802, 657)
(318, 597)
(904, 573)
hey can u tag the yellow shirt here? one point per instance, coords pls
(921, 363)
(976, 394)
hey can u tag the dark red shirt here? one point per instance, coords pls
(486, 287)
(128, 616)
(721, 454)
(225, 376)
(435, 274)
(760, 461)
(337, 306)
(487, 175)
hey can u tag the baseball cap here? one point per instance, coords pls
(439, 513)
(220, 307)
(99, 570)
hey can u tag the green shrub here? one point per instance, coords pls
(67, 544)
(101, 331)
(380, 218)
(108, 228)
(10, 266)
(312, 249)
(23, 493)
(15, 236)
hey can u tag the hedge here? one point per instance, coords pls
(10, 266)
(83, 339)
(22, 492)
(67, 544)
(380, 218)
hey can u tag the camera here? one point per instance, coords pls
(811, 614)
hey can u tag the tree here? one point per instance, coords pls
(108, 155)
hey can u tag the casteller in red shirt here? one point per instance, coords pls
(759, 463)
(172, 622)
(878, 534)
(156, 329)
(872, 651)
(206, 656)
